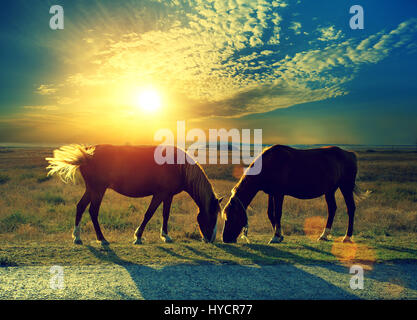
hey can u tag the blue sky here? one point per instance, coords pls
(293, 68)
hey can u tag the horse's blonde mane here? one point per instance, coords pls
(198, 184)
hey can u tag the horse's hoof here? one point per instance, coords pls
(137, 241)
(323, 238)
(166, 239)
(245, 238)
(276, 239)
(347, 239)
(103, 242)
(78, 241)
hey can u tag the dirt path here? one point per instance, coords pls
(284, 281)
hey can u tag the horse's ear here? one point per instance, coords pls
(220, 200)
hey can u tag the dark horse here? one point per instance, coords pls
(303, 174)
(132, 171)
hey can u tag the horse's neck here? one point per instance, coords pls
(246, 191)
(200, 189)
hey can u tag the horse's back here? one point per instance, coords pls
(132, 170)
(313, 157)
(128, 158)
(306, 173)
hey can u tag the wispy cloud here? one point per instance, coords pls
(66, 100)
(329, 33)
(45, 89)
(296, 26)
(225, 59)
(42, 108)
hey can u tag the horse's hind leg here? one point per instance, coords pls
(350, 204)
(165, 214)
(81, 206)
(331, 210)
(155, 202)
(96, 198)
(278, 201)
(271, 213)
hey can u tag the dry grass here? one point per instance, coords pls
(35, 208)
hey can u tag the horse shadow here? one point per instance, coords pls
(204, 280)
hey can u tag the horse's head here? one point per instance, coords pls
(207, 220)
(234, 214)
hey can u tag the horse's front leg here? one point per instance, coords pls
(278, 201)
(96, 198)
(155, 202)
(81, 206)
(165, 214)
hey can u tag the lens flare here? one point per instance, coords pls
(354, 253)
(313, 227)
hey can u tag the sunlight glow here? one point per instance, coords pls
(148, 100)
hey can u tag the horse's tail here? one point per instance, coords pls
(360, 194)
(67, 159)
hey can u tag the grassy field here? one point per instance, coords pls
(37, 216)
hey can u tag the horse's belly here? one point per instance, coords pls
(305, 195)
(134, 193)
(307, 190)
(309, 183)
(139, 189)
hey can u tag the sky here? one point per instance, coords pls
(293, 68)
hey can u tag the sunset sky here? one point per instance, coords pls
(292, 68)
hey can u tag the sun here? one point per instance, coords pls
(148, 100)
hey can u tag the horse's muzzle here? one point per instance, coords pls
(213, 236)
(229, 240)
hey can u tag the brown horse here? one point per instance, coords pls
(303, 174)
(132, 171)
